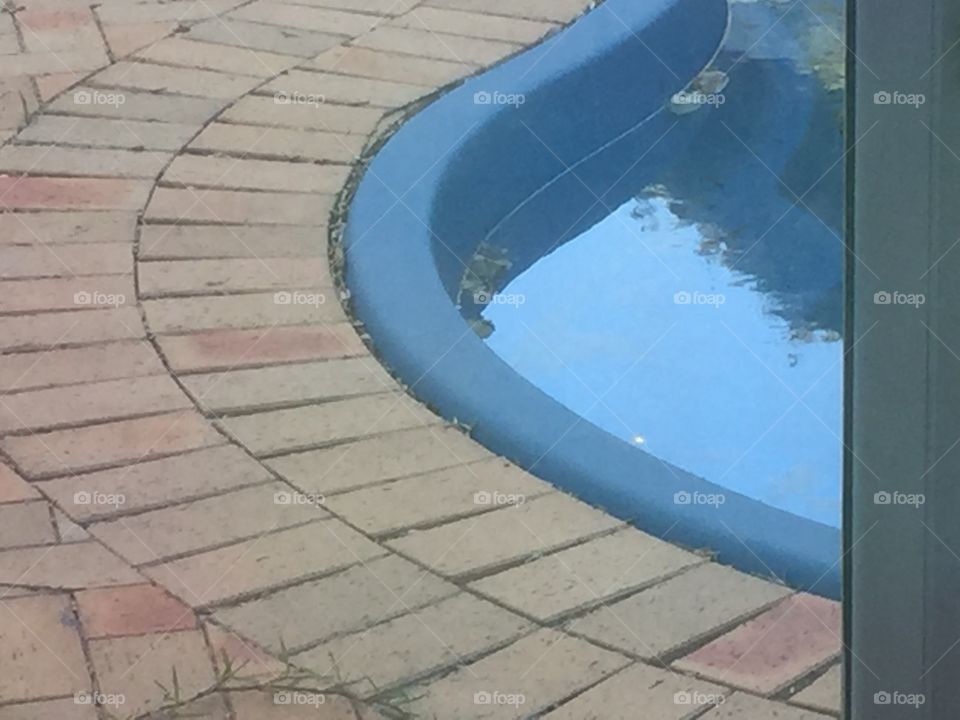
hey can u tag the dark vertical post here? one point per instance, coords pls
(902, 470)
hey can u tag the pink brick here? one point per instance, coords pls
(774, 649)
(225, 349)
(132, 610)
(81, 293)
(54, 228)
(13, 488)
(62, 452)
(72, 193)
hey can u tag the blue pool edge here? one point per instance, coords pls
(394, 271)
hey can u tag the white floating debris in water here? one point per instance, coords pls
(639, 439)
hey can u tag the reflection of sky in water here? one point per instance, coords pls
(718, 389)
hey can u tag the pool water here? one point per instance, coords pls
(700, 319)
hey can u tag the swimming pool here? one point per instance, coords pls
(481, 224)
(700, 318)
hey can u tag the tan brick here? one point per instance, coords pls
(346, 602)
(380, 65)
(49, 86)
(301, 428)
(50, 330)
(126, 39)
(67, 566)
(586, 574)
(480, 544)
(682, 610)
(663, 694)
(147, 485)
(14, 488)
(271, 560)
(238, 311)
(44, 193)
(258, 110)
(747, 707)
(440, 46)
(92, 291)
(285, 143)
(84, 162)
(30, 261)
(44, 651)
(443, 494)
(140, 667)
(478, 25)
(67, 529)
(167, 79)
(91, 402)
(381, 8)
(168, 532)
(47, 228)
(107, 133)
(49, 710)
(206, 277)
(139, 105)
(553, 10)
(25, 524)
(67, 451)
(343, 89)
(412, 645)
(233, 206)
(245, 174)
(24, 371)
(545, 667)
(299, 16)
(372, 460)
(288, 384)
(257, 36)
(222, 58)
(84, 61)
(824, 693)
(231, 349)
(181, 242)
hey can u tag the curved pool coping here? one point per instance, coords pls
(395, 264)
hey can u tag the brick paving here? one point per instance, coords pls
(211, 494)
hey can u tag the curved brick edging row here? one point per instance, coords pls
(402, 577)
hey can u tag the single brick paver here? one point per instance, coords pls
(440, 46)
(107, 133)
(345, 602)
(132, 610)
(151, 483)
(414, 644)
(140, 667)
(349, 24)
(175, 11)
(586, 574)
(49, 710)
(791, 639)
(516, 682)
(203, 277)
(109, 361)
(50, 330)
(279, 142)
(231, 349)
(41, 260)
(343, 89)
(42, 652)
(68, 566)
(245, 174)
(443, 494)
(679, 611)
(14, 488)
(268, 705)
(249, 310)
(383, 65)
(824, 693)
(664, 695)
(555, 10)
(370, 461)
(236, 206)
(124, 104)
(259, 110)
(86, 162)
(471, 24)
(195, 242)
(40, 193)
(291, 384)
(167, 79)
(62, 452)
(80, 293)
(282, 431)
(26, 524)
(258, 36)
(54, 228)
(222, 58)
(269, 561)
(194, 526)
(482, 544)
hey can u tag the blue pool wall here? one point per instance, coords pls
(453, 174)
